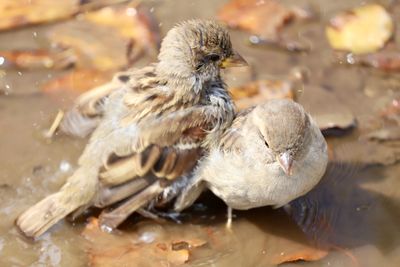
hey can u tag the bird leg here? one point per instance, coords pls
(229, 218)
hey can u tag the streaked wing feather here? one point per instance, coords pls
(232, 137)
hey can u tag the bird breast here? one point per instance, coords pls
(245, 183)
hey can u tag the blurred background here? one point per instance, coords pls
(340, 59)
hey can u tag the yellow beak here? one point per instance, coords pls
(234, 60)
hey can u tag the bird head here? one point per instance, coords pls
(284, 127)
(197, 48)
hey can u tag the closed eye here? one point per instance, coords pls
(266, 144)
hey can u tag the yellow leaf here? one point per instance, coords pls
(361, 30)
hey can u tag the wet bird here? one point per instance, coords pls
(272, 154)
(150, 126)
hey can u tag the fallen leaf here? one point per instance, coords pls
(309, 254)
(108, 39)
(260, 91)
(333, 117)
(148, 245)
(386, 125)
(37, 59)
(178, 257)
(392, 111)
(135, 24)
(264, 19)
(18, 13)
(76, 82)
(187, 244)
(361, 30)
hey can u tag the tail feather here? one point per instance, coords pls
(39, 218)
(78, 191)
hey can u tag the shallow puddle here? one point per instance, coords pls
(354, 213)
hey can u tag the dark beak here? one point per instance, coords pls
(285, 161)
(234, 60)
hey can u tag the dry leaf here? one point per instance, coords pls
(37, 59)
(385, 134)
(362, 30)
(385, 126)
(17, 13)
(333, 117)
(76, 82)
(188, 244)
(148, 245)
(308, 254)
(108, 39)
(134, 24)
(392, 111)
(260, 91)
(262, 18)
(178, 257)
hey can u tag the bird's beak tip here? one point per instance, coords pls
(236, 60)
(285, 160)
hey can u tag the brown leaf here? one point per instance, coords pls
(265, 21)
(178, 257)
(76, 82)
(263, 18)
(304, 254)
(37, 59)
(17, 13)
(148, 245)
(392, 111)
(135, 24)
(385, 126)
(187, 244)
(109, 38)
(260, 91)
(333, 117)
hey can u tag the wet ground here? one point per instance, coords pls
(355, 211)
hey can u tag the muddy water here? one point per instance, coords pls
(359, 205)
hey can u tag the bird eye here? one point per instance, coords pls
(213, 57)
(199, 66)
(266, 144)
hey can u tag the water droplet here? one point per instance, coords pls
(152, 10)
(2, 60)
(34, 34)
(350, 58)
(147, 237)
(65, 166)
(106, 228)
(19, 73)
(131, 11)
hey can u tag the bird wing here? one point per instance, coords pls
(168, 145)
(88, 108)
(169, 139)
(232, 138)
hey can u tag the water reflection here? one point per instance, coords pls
(339, 212)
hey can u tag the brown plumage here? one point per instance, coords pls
(150, 125)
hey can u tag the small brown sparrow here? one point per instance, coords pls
(272, 154)
(151, 125)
